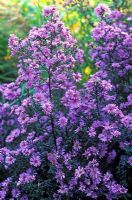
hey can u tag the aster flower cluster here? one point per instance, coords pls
(61, 139)
(101, 10)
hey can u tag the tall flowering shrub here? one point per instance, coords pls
(61, 139)
(32, 114)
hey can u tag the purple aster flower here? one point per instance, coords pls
(35, 161)
(130, 160)
(26, 177)
(71, 99)
(24, 197)
(63, 189)
(9, 160)
(13, 44)
(115, 14)
(77, 76)
(76, 145)
(1, 158)
(107, 177)
(15, 193)
(46, 107)
(112, 109)
(48, 11)
(111, 156)
(9, 138)
(39, 97)
(2, 195)
(59, 176)
(98, 33)
(62, 121)
(79, 172)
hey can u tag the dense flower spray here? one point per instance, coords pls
(61, 139)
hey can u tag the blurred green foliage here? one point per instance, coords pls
(18, 16)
